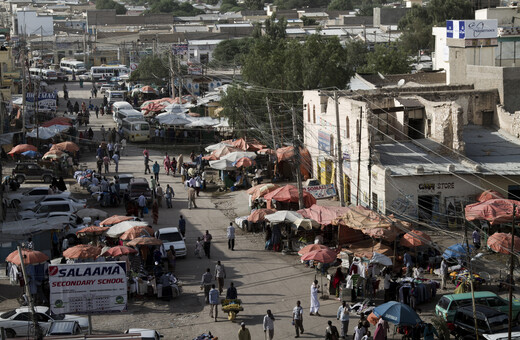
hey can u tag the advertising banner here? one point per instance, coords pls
(321, 191)
(324, 142)
(93, 287)
(180, 49)
(46, 101)
(472, 29)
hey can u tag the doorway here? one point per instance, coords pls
(425, 210)
(416, 128)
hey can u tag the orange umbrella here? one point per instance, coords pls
(321, 255)
(261, 190)
(119, 251)
(489, 195)
(145, 241)
(92, 230)
(66, 146)
(311, 247)
(22, 148)
(82, 251)
(135, 232)
(259, 215)
(115, 220)
(373, 319)
(415, 238)
(29, 257)
(244, 162)
(501, 243)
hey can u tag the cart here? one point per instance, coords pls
(232, 307)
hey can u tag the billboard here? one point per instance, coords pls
(46, 101)
(472, 29)
(180, 49)
(92, 287)
(324, 142)
(321, 191)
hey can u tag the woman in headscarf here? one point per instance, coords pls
(61, 185)
(337, 279)
(167, 163)
(155, 211)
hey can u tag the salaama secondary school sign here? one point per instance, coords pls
(94, 287)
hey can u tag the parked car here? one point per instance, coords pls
(17, 322)
(502, 336)
(448, 304)
(77, 203)
(138, 186)
(105, 87)
(25, 171)
(173, 237)
(45, 208)
(64, 327)
(146, 334)
(30, 196)
(124, 180)
(489, 321)
(61, 76)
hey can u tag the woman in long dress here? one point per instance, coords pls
(155, 211)
(167, 164)
(315, 302)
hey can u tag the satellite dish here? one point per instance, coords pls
(401, 82)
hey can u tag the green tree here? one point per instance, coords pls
(174, 7)
(231, 51)
(230, 6)
(341, 5)
(387, 59)
(111, 4)
(297, 4)
(152, 68)
(308, 21)
(254, 4)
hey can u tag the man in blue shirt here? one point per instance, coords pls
(156, 167)
(213, 301)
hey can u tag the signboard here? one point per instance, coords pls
(133, 66)
(195, 70)
(180, 49)
(472, 29)
(92, 287)
(321, 191)
(46, 101)
(324, 142)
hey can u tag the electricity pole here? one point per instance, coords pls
(37, 330)
(339, 156)
(172, 73)
(297, 159)
(471, 278)
(511, 270)
(359, 155)
(269, 110)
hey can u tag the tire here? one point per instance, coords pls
(20, 179)
(10, 333)
(47, 179)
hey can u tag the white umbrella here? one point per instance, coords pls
(222, 164)
(217, 146)
(96, 214)
(119, 229)
(306, 223)
(235, 156)
(172, 119)
(283, 216)
(381, 259)
(202, 121)
(177, 108)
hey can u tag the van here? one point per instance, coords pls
(138, 186)
(128, 114)
(115, 96)
(120, 105)
(448, 304)
(136, 130)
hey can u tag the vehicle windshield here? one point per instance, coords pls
(124, 180)
(444, 303)
(170, 237)
(7, 315)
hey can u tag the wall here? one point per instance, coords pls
(440, 57)
(32, 24)
(388, 15)
(354, 20)
(504, 15)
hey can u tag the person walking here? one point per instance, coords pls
(231, 236)
(153, 185)
(231, 292)
(382, 329)
(170, 255)
(96, 109)
(207, 242)
(476, 239)
(206, 284)
(213, 302)
(169, 195)
(167, 164)
(159, 194)
(220, 275)
(155, 211)
(297, 318)
(106, 162)
(315, 302)
(331, 332)
(115, 158)
(198, 248)
(243, 332)
(141, 201)
(146, 164)
(103, 132)
(191, 198)
(444, 273)
(408, 263)
(343, 315)
(182, 226)
(360, 331)
(268, 325)
(156, 168)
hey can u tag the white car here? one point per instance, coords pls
(30, 196)
(146, 334)
(124, 179)
(45, 208)
(105, 87)
(77, 203)
(17, 322)
(173, 237)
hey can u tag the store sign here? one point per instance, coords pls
(180, 49)
(321, 191)
(324, 142)
(46, 101)
(93, 287)
(436, 186)
(472, 29)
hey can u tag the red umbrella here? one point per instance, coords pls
(501, 243)
(244, 162)
(66, 146)
(321, 255)
(289, 193)
(119, 251)
(311, 247)
(57, 121)
(259, 215)
(82, 251)
(115, 220)
(489, 195)
(145, 241)
(92, 230)
(495, 211)
(415, 238)
(29, 257)
(135, 232)
(22, 148)
(148, 89)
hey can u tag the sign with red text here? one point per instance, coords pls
(321, 191)
(93, 287)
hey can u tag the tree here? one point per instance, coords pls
(341, 5)
(174, 7)
(232, 51)
(254, 4)
(308, 21)
(111, 4)
(387, 59)
(152, 68)
(230, 6)
(296, 4)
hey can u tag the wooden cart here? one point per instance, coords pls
(232, 307)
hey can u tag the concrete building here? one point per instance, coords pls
(9, 74)
(29, 22)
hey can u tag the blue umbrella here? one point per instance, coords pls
(30, 154)
(457, 250)
(397, 313)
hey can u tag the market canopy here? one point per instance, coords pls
(311, 247)
(415, 238)
(222, 164)
(283, 216)
(66, 146)
(501, 243)
(495, 211)
(119, 229)
(172, 119)
(289, 194)
(114, 220)
(145, 241)
(22, 148)
(321, 255)
(323, 215)
(261, 190)
(53, 154)
(489, 195)
(258, 215)
(250, 145)
(29, 257)
(64, 121)
(82, 251)
(397, 313)
(135, 232)
(456, 251)
(91, 230)
(287, 154)
(236, 155)
(367, 248)
(47, 132)
(218, 153)
(118, 251)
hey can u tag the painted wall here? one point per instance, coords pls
(29, 23)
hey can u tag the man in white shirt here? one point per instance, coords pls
(344, 316)
(231, 236)
(297, 316)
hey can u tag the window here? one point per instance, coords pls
(22, 317)
(347, 127)
(103, 60)
(496, 302)
(314, 114)
(308, 113)
(374, 201)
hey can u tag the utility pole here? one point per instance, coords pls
(85, 48)
(172, 73)
(2, 112)
(297, 159)
(359, 154)
(339, 156)
(471, 278)
(180, 79)
(511, 269)
(37, 330)
(24, 92)
(269, 110)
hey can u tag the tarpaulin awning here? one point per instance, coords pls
(22, 148)
(172, 119)
(218, 153)
(287, 154)
(261, 190)
(156, 105)
(57, 121)
(489, 195)
(250, 145)
(323, 215)
(367, 248)
(495, 211)
(214, 147)
(501, 243)
(282, 216)
(258, 215)
(236, 155)
(221, 164)
(47, 132)
(287, 194)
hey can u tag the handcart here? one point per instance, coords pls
(232, 307)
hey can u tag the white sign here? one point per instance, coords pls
(472, 29)
(321, 191)
(93, 287)
(133, 66)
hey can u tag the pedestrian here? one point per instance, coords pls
(359, 331)
(444, 273)
(115, 158)
(476, 239)
(268, 325)
(170, 255)
(153, 184)
(169, 195)
(231, 293)
(147, 165)
(123, 147)
(155, 211)
(243, 332)
(297, 318)
(207, 243)
(173, 166)
(167, 164)
(141, 201)
(429, 332)
(382, 329)
(182, 172)
(206, 284)
(413, 296)
(103, 132)
(231, 236)
(315, 302)
(407, 258)
(199, 250)
(343, 315)
(387, 284)
(198, 184)
(338, 278)
(331, 332)
(182, 225)
(213, 302)
(110, 147)
(96, 109)
(220, 275)
(156, 167)
(191, 198)
(159, 194)
(106, 162)
(65, 244)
